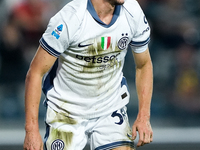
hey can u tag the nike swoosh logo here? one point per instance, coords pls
(79, 45)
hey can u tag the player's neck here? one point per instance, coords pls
(104, 10)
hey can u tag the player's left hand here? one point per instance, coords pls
(143, 126)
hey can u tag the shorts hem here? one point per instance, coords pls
(115, 145)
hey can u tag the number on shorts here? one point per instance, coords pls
(116, 114)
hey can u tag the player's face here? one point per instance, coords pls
(116, 2)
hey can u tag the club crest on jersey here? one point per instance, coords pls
(105, 42)
(57, 31)
(57, 145)
(123, 42)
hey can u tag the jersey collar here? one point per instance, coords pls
(92, 11)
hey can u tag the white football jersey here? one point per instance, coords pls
(87, 80)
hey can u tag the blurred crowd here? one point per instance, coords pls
(22, 23)
(175, 49)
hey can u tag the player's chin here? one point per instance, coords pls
(120, 2)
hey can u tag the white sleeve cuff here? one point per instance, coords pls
(139, 49)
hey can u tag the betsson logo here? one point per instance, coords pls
(94, 59)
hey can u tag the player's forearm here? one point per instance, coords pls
(144, 85)
(32, 100)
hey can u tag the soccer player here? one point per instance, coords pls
(81, 56)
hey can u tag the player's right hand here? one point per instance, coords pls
(33, 141)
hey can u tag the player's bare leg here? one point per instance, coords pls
(123, 148)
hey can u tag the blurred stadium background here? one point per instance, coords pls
(175, 50)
